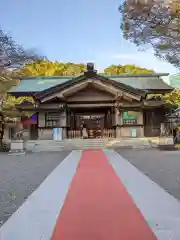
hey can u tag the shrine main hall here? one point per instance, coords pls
(111, 106)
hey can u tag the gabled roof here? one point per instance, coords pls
(143, 82)
(38, 84)
(81, 78)
(150, 82)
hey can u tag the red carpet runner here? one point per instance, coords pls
(98, 207)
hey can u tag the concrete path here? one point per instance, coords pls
(94, 195)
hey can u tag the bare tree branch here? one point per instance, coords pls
(12, 54)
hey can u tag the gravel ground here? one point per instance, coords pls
(21, 175)
(163, 167)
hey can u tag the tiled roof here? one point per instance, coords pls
(175, 80)
(38, 84)
(142, 82)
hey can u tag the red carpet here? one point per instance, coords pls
(98, 207)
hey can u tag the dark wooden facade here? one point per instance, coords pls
(107, 108)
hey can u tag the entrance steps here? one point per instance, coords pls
(67, 144)
(73, 144)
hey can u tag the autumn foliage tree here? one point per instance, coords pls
(126, 69)
(12, 56)
(173, 98)
(48, 68)
(154, 23)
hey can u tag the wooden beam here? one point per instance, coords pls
(90, 105)
(115, 91)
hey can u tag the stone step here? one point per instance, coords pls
(74, 142)
(70, 144)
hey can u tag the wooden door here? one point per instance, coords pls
(94, 125)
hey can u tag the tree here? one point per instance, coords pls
(9, 103)
(154, 23)
(8, 112)
(126, 69)
(48, 68)
(12, 56)
(173, 98)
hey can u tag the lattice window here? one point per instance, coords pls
(52, 119)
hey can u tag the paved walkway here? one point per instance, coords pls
(94, 195)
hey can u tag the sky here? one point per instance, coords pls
(75, 31)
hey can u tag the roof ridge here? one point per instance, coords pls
(49, 77)
(136, 75)
(106, 75)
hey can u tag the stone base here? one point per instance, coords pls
(16, 153)
(17, 146)
(167, 147)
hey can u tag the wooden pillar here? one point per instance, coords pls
(118, 122)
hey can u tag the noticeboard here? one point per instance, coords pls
(57, 133)
(130, 115)
(134, 132)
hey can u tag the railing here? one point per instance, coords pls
(109, 133)
(74, 134)
(105, 133)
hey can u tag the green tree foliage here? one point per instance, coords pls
(173, 98)
(126, 69)
(154, 23)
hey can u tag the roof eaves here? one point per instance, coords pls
(22, 93)
(48, 77)
(58, 87)
(135, 75)
(124, 86)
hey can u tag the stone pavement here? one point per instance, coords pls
(162, 167)
(95, 194)
(100, 143)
